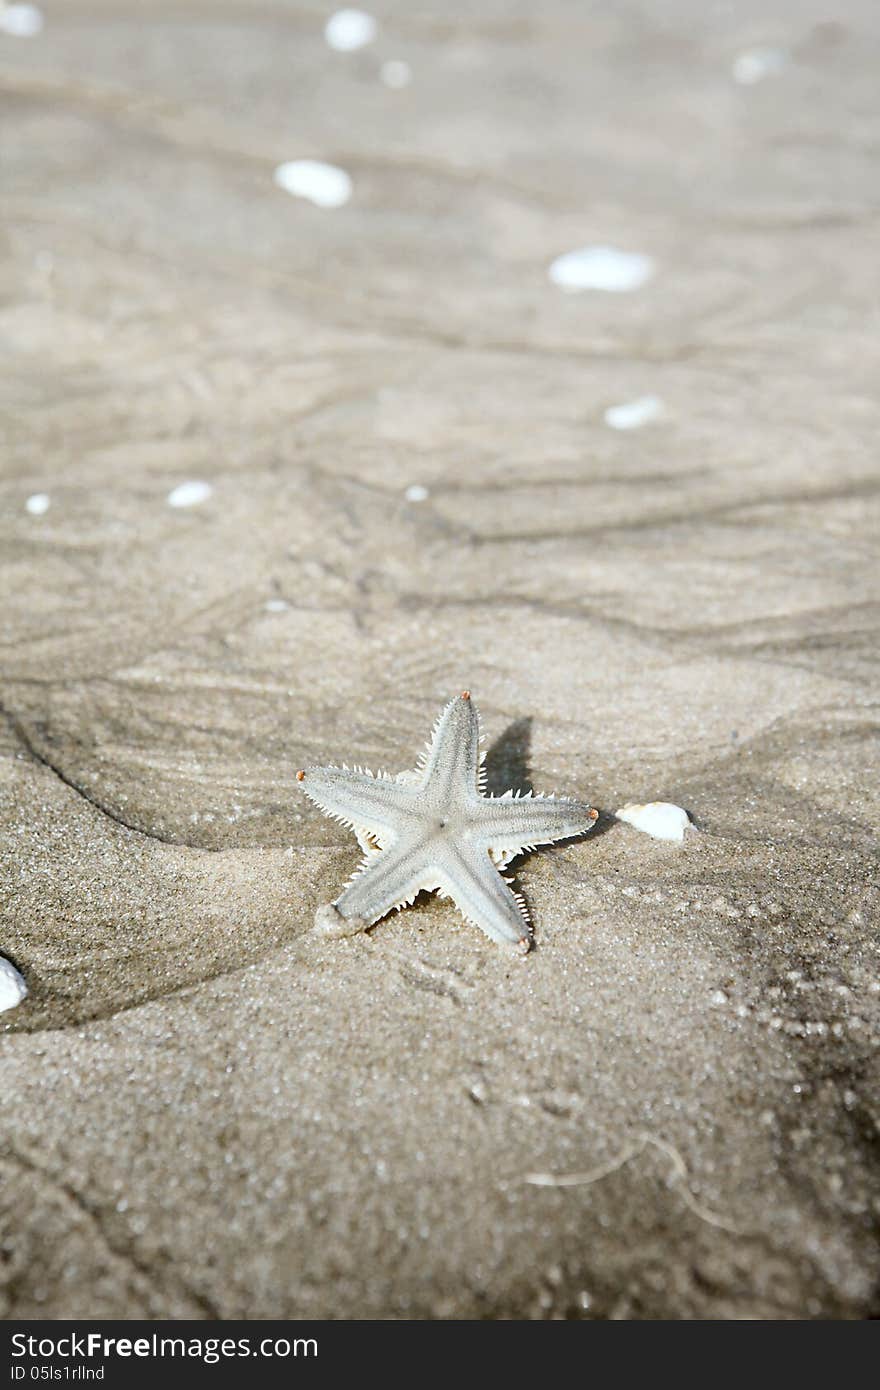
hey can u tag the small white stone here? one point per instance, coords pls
(322, 184)
(717, 998)
(347, 30)
(601, 268)
(417, 493)
(21, 21)
(631, 415)
(38, 504)
(277, 605)
(396, 73)
(659, 819)
(755, 64)
(12, 986)
(189, 494)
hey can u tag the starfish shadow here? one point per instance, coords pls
(507, 759)
(508, 768)
(607, 821)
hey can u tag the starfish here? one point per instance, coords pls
(435, 829)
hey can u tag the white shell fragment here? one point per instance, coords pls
(631, 415)
(38, 504)
(601, 268)
(659, 819)
(757, 63)
(325, 185)
(12, 986)
(348, 30)
(21, 21)
(417, 493)
(189, 494)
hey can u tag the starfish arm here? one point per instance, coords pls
(361, 801)
(470, 879)
(510, 824)
(451, 764)
(385, 881)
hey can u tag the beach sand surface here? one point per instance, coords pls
(670, 1108)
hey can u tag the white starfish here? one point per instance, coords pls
(435, 829)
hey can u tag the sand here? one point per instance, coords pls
(414, 486)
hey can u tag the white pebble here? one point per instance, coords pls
(277, 605)
(21, 21)
(601, 268)
(347, 30)
(38, 504)
(396, 73)
(757, 63)
(189, 494)
(12, 986)
(631, 415)
(659, 819)
(322, 184)
(417, 493)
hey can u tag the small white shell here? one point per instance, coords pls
(189, 494)
(757, 63)
(12, 986)
(601, 268)
(21, 21)
(325, 185)
(659, 819)
(631, 415)
(348, 30)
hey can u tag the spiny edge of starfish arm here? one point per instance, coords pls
(380, 776)
(520, 902)
(508, 839)
(371, 843)
(526, 941)
(435, 728)
(324, 798)
(343, 820)
(383, 883)
(513, 795)
(330, 921)
(454, 743)
(483, 897)
(428, 746)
